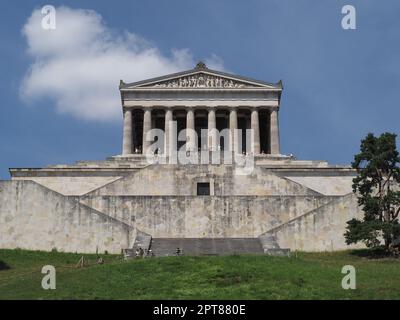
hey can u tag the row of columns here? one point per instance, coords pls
(212, 128)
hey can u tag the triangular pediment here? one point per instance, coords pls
(201, 77)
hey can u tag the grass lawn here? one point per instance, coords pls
(302, 276)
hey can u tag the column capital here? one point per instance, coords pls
(167, 108)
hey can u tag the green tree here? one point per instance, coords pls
(378, 193)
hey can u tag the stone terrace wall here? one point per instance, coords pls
(173, 180)
(34, 217)
(321, 229)
(204, 216)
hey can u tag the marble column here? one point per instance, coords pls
(168, 133)
(274, 134)
(146, 128)
(255, 127)
(233, 126)
(127, 143)
(212, 130)
(190, 133)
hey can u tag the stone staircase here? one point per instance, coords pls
(205, 246)
(142, 240)
(271, 246)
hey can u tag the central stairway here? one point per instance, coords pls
(205, 246)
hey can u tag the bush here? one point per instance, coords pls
(4, 266)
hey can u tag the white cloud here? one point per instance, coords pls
(80, 63)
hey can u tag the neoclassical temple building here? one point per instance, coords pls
(236, 193)
(202, 99)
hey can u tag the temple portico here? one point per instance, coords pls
(262, 121)
(202, 99)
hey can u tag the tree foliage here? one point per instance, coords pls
(377, 188)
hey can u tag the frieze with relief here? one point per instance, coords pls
(201, 80)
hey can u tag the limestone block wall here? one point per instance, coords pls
(328, 185)
(163, 180)
(34, 217)
(304, 210)
(321, 229)
(72, 185)
(205, 216)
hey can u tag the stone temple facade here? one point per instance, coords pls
(214, 181)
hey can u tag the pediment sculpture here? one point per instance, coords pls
(201, 80)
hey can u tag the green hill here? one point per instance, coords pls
(302, 276)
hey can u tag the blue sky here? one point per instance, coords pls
(338, 84)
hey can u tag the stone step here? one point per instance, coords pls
(206, 246)
(268, 241)
(277, 252)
